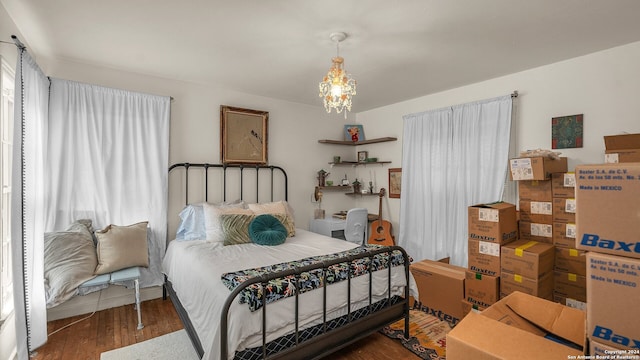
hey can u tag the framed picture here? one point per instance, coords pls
(354, 133)
(395, 182)
(362, 156)
(566, 131)
(243, 135)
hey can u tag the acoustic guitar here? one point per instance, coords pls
(380, 232)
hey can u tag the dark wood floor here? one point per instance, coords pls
(114, 328)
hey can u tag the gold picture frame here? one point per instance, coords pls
(243, 135)
(395, 182)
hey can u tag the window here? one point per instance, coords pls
(7, 80)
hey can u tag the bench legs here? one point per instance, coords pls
(137, 284)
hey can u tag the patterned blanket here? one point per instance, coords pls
(281, 288)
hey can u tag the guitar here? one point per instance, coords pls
(380, 232)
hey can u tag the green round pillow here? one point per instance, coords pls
(267, 230)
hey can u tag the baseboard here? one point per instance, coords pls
(110, 297)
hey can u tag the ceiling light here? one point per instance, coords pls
(337, 87)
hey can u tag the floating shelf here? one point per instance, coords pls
(351, 143)
(361, 194)
(335, 187)
(357, 163)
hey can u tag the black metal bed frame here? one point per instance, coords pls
(330, 340)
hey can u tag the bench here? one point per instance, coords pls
(132, 273)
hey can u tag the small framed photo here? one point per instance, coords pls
(362, 156)
(395, 182)
(354, 133)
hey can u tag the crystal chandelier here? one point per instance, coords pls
(337, 87)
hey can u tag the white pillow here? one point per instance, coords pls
(212, 226)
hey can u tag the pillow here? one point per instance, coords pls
(120, 247)
(69, 260)
(277, 207)
(267, 230)
(212, 214)
(235, 228)
(192, 223)
(191, 226)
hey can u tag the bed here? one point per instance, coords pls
(305, 298)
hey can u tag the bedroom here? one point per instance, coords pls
(601, 83)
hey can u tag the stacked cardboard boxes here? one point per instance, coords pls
(527, 266)
(490, 227)
(608, 227)
(570, 270)
(622, 148)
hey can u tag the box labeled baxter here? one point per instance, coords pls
(608, 216)
(495, 222)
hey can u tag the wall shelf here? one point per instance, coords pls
(361, 194)
(351, 143)
(357, 163)
(335, 187)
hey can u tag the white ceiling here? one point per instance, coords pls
(396, 50)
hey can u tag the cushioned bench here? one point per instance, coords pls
(132, 273)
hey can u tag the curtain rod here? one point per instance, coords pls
(514, 94)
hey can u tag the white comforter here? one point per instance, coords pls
(195, 268)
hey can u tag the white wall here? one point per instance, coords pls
(604, 86)
(195, 131)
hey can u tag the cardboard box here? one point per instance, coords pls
(468, 307)
(564, 210)
(484, 257)
(609, 217)
(542, 288)
(570, 285)
(536, 211)
(563, 185)
(607, 351)
(494, 222)
(571, 260)
(536, 232)
(564, 235)
(441, 288)
(482, 290)
(573, 303)
(535, 190)
(622, 156)
(530, 259)
(519, 327)
(613, 290)
(623, 141)
(536, 168)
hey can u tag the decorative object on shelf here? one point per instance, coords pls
(354, 133)
(243, 134)
(356, 186)
(566, 132)
(371, 187)
(322, 176)
(381, 232)
(345, 181)
(336, 159)
(373, 159)
(337, 87)
(395, 182)
(362, 156)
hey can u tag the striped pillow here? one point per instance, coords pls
(235, 228)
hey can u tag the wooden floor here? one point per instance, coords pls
(114, 328)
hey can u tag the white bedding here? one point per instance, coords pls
(195, 268)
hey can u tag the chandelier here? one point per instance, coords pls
(337, 87)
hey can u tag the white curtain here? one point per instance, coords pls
(451, 158)
(27, 245)
(107, 160)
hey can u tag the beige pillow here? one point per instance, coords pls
(120, 247)
(277, 208)
(212, 226)
(235, 228)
